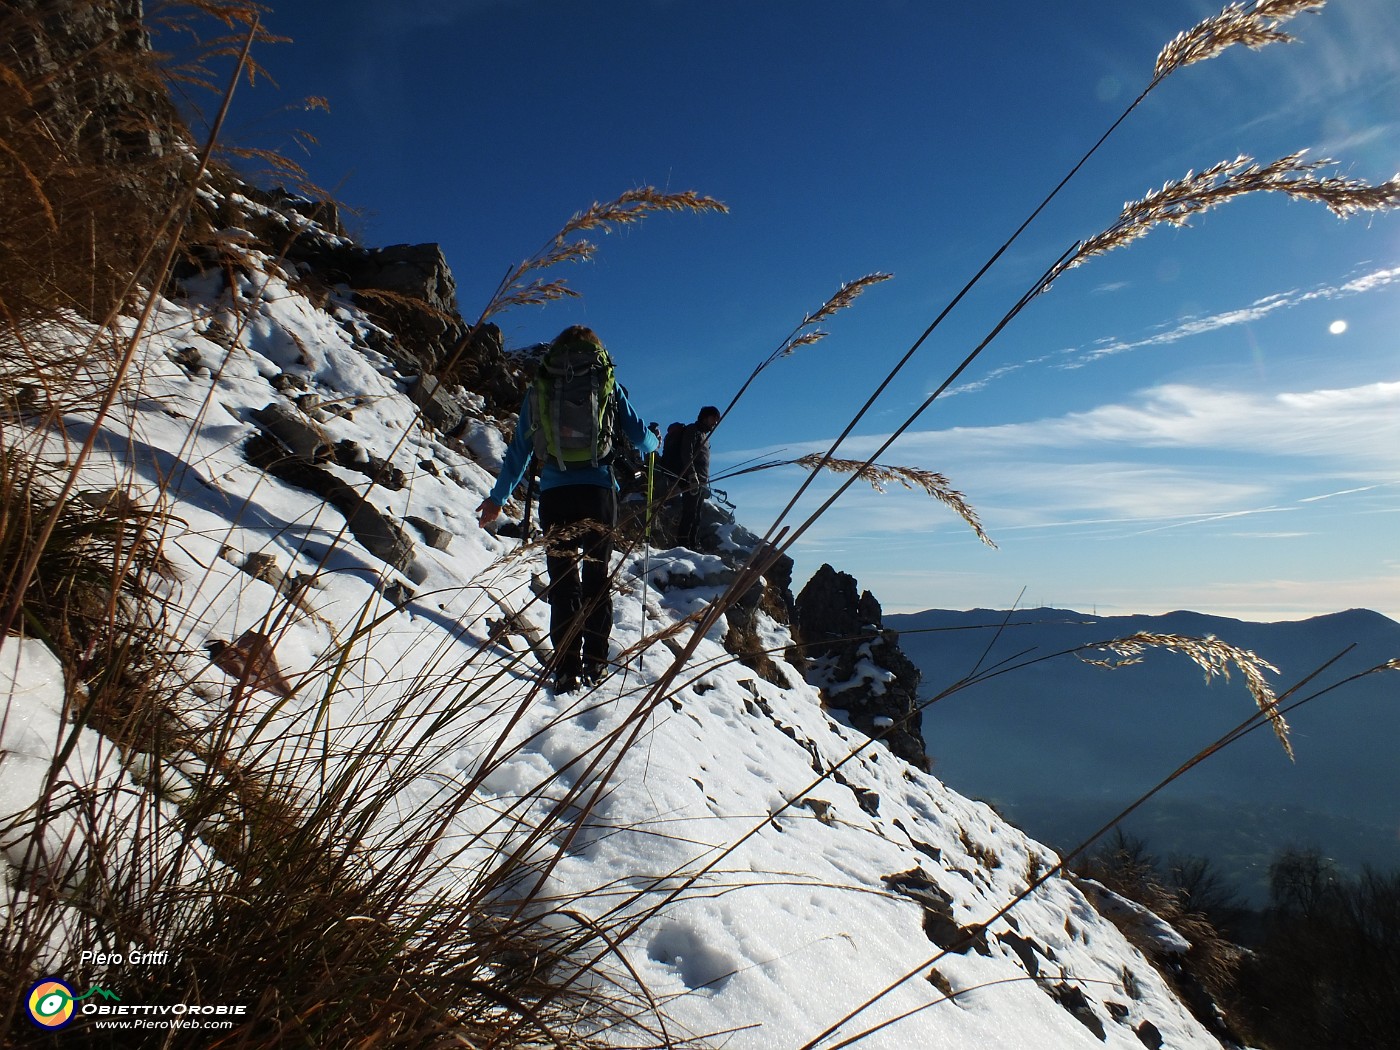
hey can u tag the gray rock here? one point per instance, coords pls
(858, 664)
(297, 434)
(439, 407)
(381, 535)
(353, 456)
(376, 531)
(396, 591)
(410, 289)
(287, 383)
(434, 536)
(263, 566)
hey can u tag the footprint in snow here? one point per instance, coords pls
(699, 966)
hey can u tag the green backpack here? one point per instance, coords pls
(573, 406)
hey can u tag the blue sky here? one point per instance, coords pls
(1207, 419)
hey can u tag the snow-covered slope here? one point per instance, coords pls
(783, 871)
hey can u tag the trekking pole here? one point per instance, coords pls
(525, 523)
(646, 556)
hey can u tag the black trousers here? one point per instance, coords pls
(580, 599)
(689, 529)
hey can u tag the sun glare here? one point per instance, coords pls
(1337, 327)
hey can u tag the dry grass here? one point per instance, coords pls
(879, 475)
(1237, 24)
(1124, 866)
(352, 919)
(93, 158)
(228, 853)
(1215, 658)
(1176, 202)
(524, 286)
(93, 595)
(1234, 25)
(806, 333)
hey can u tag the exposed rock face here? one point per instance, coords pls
(90, 100)
(419, 271)
(91, 161)
(392, 282)
(858, 664)
(409, 288)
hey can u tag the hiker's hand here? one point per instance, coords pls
(488, 512)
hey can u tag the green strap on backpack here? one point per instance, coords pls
(573, 406)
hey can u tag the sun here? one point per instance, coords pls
(1337, 327)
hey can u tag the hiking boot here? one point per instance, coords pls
(593, 673)
(565, 682)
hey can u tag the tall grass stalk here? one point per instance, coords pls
(524, 284)
(1235, 25)
(806, 333)
(168, 232)
(279, 838)
(1267, 714)
(241, 854)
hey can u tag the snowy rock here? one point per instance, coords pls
(376, 531)
(299, 436)
(434, 536)
(439, 407)
(858, 664)
(1146, 924)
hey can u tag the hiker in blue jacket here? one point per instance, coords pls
(578, 497)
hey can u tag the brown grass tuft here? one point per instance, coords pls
(806, 333)
(1215, 658)
(520, 288)
(93, 156)
(1176, 202)
(1235, 25)
(878, 475)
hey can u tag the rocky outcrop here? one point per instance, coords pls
(410, 290)
(94, 153)
(98, 95)
(858, 664)
(89, 93)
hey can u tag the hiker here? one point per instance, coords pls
(673, 452)
(629, 466)
(567, 420)
(694, 469)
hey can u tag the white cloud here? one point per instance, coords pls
(1245, 315)
(1081, 356)
(1358, 426)
(1170, 457)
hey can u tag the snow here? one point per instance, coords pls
(866, 673)
(781, 870)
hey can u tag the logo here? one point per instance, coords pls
(51, 1002)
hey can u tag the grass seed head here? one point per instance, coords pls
(879, 475)
(1236, 24)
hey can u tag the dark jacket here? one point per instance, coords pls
(695, 456)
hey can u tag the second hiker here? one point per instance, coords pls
(694, 469)
(568, 419)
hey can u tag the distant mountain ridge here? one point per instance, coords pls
(1063, 746)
